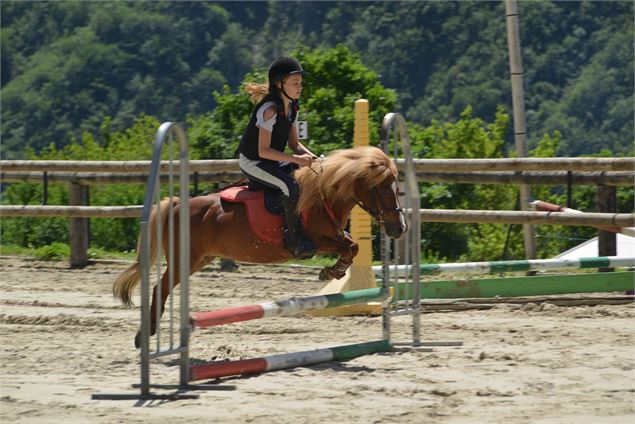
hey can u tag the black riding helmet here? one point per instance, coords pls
(280, 68)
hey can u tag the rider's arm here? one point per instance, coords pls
(264, 142)
(296, 145)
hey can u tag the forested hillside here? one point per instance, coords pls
(68, 66)
(93, 80)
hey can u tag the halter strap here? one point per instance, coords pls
(334, 221)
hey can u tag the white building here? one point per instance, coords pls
(588, 249)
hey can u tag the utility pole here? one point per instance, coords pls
(518, 105)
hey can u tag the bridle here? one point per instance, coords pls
(377, 214)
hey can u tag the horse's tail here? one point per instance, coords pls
(129, 278)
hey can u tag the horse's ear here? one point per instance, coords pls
(377, 163)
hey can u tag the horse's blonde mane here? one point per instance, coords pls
(335, 176)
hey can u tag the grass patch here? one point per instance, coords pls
(61, 251)
(98, 253)
(53, 252)
(317, 261)
(13, 250)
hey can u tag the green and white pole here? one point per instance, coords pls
(516, 266)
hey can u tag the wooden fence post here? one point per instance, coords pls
(78, 227)
(606, 201)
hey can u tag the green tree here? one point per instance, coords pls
(336, 78)
(108, 233)
(116, 59)
(68, 65)
(470, 137)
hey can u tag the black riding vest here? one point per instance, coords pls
(279, 136)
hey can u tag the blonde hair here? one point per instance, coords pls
(256, 91)
(335, 176)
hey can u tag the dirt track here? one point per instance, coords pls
(65, 338)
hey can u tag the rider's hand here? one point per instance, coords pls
(304, 159)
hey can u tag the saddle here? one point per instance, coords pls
(264, 211)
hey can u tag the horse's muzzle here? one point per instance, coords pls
(395, 224)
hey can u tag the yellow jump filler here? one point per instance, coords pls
(360, 275)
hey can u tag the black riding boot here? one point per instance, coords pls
(294, 238)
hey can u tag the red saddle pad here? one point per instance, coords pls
(267, 226)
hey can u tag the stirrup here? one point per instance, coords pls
(303, 248)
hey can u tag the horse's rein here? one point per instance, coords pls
(336, 225)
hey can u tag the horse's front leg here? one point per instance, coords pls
(346, 248)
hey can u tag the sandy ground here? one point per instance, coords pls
(65, 338)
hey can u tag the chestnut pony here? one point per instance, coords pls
(329, 190)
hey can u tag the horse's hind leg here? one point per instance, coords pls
(165, 292)
(196, 263)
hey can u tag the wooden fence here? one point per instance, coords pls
(428, 215)
(421, 165)
(605, 173)
(608, 178)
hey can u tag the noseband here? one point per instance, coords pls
(378, 215)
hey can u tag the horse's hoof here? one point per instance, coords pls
(325, 274)
(227, 265)
(137, 340)
(338, 275)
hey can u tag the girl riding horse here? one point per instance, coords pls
(270, 129)
(325, 190)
